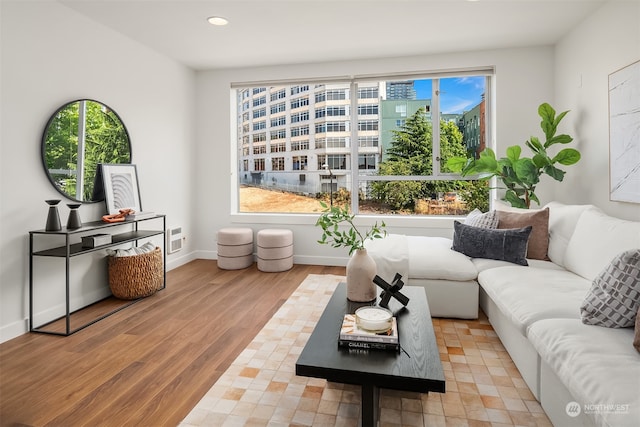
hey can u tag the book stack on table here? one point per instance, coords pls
(353, 336)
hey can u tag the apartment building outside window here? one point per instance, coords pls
(299, 103)
(300, 162)
(279, 147)
(277, 164)
(300, 130)
(376, 159)
(279, 121)
(299, 145)
(278, 108)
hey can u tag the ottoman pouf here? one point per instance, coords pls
(235, 248)
(275, 250)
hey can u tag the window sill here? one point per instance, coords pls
(364, 220)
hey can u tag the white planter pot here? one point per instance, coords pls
(361, 269)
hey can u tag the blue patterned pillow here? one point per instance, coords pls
(503, 244)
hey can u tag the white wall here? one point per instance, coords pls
(606, 41)
(52, 55)
(524, 80)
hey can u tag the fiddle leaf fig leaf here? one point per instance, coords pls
(511, 197)
(548, 123)
(457, 164)
(567, 156)
(554, 172)
(526, 171)
(513, 153)
(559, 139)
(535, 145)
(541, 160)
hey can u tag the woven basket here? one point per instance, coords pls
(137, 276)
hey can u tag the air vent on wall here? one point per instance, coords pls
(174, 239)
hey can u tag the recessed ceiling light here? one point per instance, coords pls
(217, 20)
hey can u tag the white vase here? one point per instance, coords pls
(361, 269)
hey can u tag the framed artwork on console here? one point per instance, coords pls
(624, 134)
(121, 189)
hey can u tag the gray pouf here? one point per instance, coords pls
(235, 248)
(275, 250)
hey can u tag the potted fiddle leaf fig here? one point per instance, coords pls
(361, 268)
(520, 175)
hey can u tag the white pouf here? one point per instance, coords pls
(235, 248)
(275, 250)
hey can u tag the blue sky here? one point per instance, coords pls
(458, 94)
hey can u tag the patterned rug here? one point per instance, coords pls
(260, 388)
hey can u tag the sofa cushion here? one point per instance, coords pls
(597, 239)
(483, 264)
(614, 297)
(562, 223)
(527, 294)
(506, 245)
(476, 218)
(433, 258)
(585, 357)
(538, 220)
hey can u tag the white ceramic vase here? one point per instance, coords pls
(361, 269)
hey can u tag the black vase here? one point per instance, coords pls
(53, 218)
(73, 221)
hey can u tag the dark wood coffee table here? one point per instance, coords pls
(416, 367)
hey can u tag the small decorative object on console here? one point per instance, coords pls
(133, 216)
(392, 290)
(119, 217)
(73, 222)
(53, 218)
(96, 240)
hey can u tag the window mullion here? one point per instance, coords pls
(435, 127)
(353, 87)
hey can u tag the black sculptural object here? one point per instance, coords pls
(391, 290)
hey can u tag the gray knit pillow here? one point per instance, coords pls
(505, 245)
(476, 218)
(614, 297)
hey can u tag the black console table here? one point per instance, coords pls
(121, 232)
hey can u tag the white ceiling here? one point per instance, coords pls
(268, 32)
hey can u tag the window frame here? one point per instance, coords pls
(357, 93)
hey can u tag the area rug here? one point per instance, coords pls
(260, 388)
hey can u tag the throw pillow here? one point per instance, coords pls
(614, 297)
(504, 245)
(636, 338)
(538, 220)
(476, 218)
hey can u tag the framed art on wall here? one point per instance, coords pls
(121, 189)
(624, 134)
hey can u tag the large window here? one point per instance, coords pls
(388, 145)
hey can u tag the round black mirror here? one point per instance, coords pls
(78, 137)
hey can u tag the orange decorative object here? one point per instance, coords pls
(119, 217)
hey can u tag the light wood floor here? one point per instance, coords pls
(149, 364)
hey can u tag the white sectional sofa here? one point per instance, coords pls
(583, 375)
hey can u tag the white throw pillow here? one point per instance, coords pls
(476, 218)
(614, 297)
